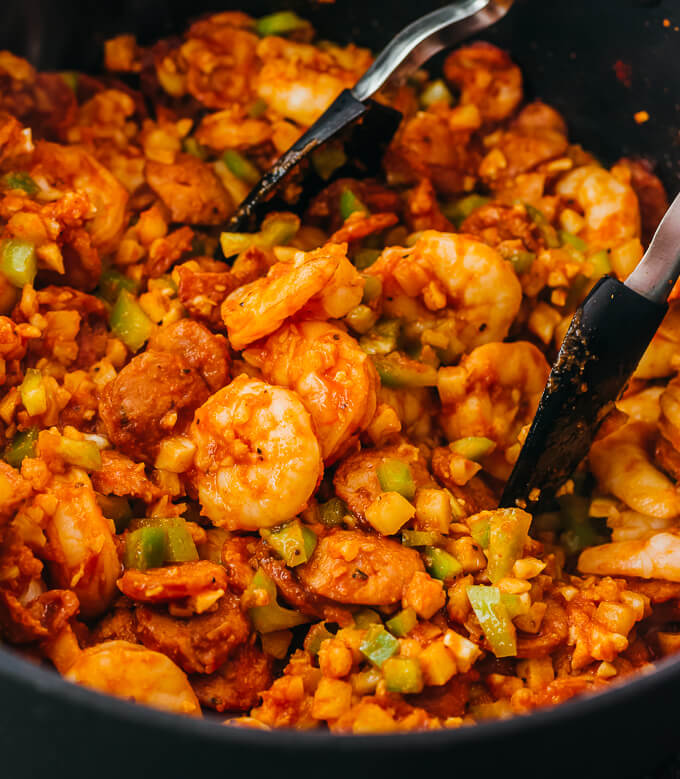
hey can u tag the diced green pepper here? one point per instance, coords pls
(193, 147)
(82, 454)
(349, 203)
(18, 261)
(398, 371)
(22, 445)
(20, 181)
(328, 159)
(459, 210)
(546, 229)
(435, 92)
(372, 288)
(494, 619)
(272, 617)
(181, 547)
(364, 618)
(600, 263)
(70, 78)
(403, 675)
(129, 322)
(111, 282)
(580, 537)
(293, 542)
(382, 339)
(420, 538)
(116, 508)
(32, 391)
(277, 229)
(366, 682)
(316, 635)
(473, 447)
(145, 548)
(332, 512)
(513, 604)
(441, 564)
(361, 318)
(395, 476)
(521, 260)
(241, 167)
(257, 108)
(508, 532)
(378, 645)
(279, 23)
(480, 531)
(573, 240)
(402, 623)
(364, 258)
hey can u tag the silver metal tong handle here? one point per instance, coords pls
(658, 270)
(424, 38)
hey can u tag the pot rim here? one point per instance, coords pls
(50, 684)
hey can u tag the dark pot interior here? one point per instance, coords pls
(574, 54)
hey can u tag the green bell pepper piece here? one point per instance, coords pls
(111, 282)
(279, 23)
(508, 532)
(241, 167)
(378, 645)
(364, 258)
(473, 447)
(420, 538)
(372, 288)
(293, 542)
(573, 240)
(180, 546)
(272, 617)
(116, 508)
(129, 322)
(399, 371)
(402, 623)
(332, 512)
(459, 210)
(395, 476)
(546, 229)
(22, 445)
(18, 261)
(364, 618)
(328, 159)
(361, 318)
(435, 92)
(600, 263)
(382, 339)
(257, 108)
(349, 203)
(441, 564)
(193, 147)
(480, 531)
(82, 454)
(494, 619)
(316, 635)
(403, 675)
(145, 548)
(20, 181)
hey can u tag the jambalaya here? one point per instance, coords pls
(267, 487)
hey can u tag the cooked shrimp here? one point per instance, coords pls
(610, 207)
(669, 403)
(349, 566)
(631, 525)
(356, 481)
(322, 284)
(621, 463)
(650, 193)
(134, 673)
(661, 358)
(463, 281)
(66, 168)
(493, 392)
(82, 551)
(656, 557)
(232, 129)
(299, 81)
(257, 459)
(332, 375)
(487, 78)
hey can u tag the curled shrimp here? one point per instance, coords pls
(299, 81)
(67, 168)
(656, 557)
(134, 673)
(82, 550)
(232, 129)
(321, 284)
(330, 372)
(669, 404)
(487, 78)
(661, 358)
(257, 458)
(610, 207)
(643, 406)
(632, 526)
(454, 279)
(621, 462)
(493, 393)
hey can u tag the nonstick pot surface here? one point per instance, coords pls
(598, 62)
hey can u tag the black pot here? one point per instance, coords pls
(576, 55)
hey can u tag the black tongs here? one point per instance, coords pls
(605, 341)
(405, 53)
